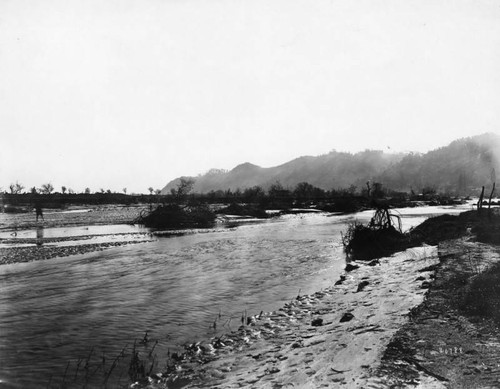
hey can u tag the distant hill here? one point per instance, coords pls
(463, 165)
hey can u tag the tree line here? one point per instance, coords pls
(276, 195)
(47, 189)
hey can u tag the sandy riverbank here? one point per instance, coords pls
(414, 323)
(309, 343)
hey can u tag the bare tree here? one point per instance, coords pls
(63, 189)
(16, 188)
(47, 188)
(277, 191)
(183, 188)
(377, 190)
(150, 190)
(124, 190)
(87, 190)
(352, 189)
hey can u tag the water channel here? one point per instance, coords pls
(55, 314)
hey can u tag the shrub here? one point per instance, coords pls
(244, 210)
(365, 243)
(437, 229)
(482, 295)
(380, 238)
(347, 204)
(172, 216)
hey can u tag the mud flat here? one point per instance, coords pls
(335, 337)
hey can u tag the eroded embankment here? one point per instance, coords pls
(335, 337)
(443, 339)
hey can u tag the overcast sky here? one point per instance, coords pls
(113, 94)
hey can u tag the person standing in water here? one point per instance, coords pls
(38, 210)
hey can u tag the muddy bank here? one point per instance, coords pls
(443, 339)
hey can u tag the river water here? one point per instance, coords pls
(58, 315)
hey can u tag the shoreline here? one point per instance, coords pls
(411, 326)
(313, 341)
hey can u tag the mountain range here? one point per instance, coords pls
(461, 167)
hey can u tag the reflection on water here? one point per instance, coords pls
(63, 232)
(55, 311)
(73, 236)
(39, 235)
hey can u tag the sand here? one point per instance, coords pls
(305, 344)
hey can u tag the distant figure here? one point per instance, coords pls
(38, 210)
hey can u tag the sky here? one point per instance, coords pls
(117, 94)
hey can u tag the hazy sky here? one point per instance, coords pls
(114, 94)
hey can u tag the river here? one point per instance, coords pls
(56, 315)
